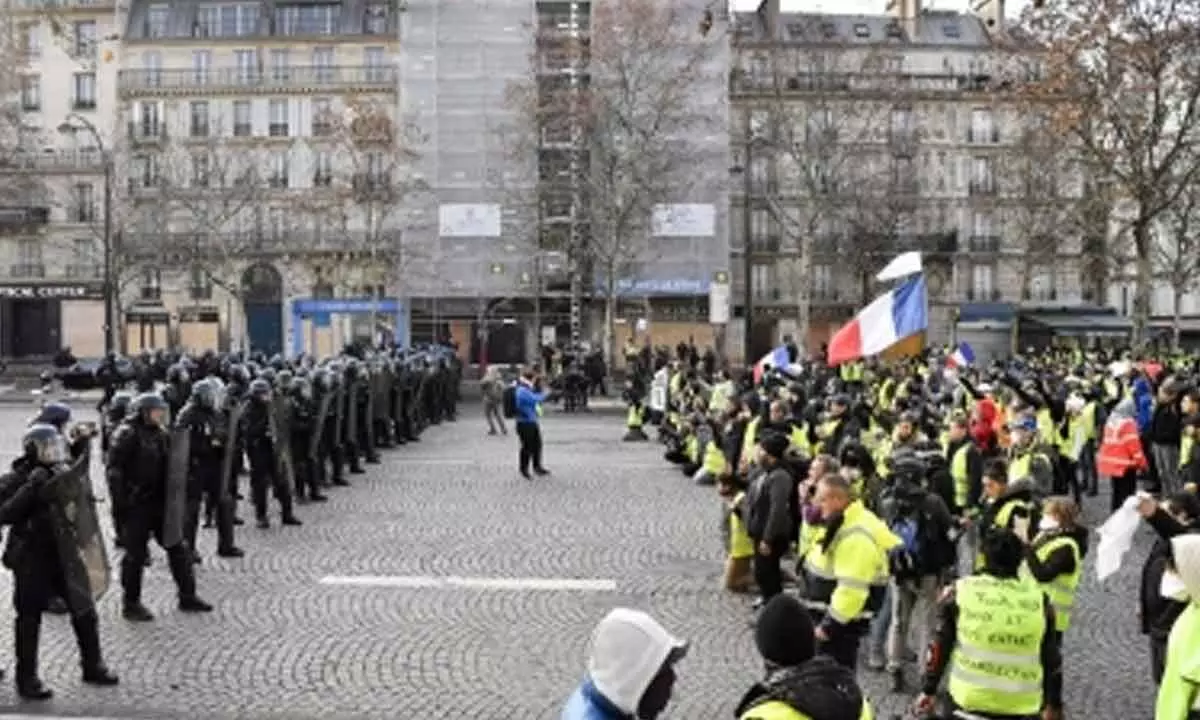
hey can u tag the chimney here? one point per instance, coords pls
(768, 13)
(990, 13)
(907, 13)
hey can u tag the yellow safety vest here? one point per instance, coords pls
(718, 397)
(1046, 427)
(960, 474)
(798, 438)
(740, 544)
(1060, 590)
(1185, 450)
(691, 448)
(1021, 467)
(848, 579)
(1070, 445)
(1179, 693)
(777, 710)
(996, 665)
(748, 440)
(634, 419)
(714, 459)
(1088, 418)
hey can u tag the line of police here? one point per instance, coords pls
(174, 450)
(827, 463)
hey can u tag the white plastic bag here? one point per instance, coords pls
(1116, 537)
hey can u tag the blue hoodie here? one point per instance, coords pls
(528, 401)
(586, 703)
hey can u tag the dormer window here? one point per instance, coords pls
(795, 30)
(951, 30)
(828, 30)
(376, 20)
(861, 30)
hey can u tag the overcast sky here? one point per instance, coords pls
(874, 7)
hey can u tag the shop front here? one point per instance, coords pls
(39, 319)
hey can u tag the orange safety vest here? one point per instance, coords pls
(1121, 449)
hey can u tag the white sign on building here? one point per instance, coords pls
(469, 220)
(684, 220)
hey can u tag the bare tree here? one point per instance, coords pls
(818, 144)
(22, 182)
(629, 136)
(362, 202)
(1176, 257)
(1127, 76)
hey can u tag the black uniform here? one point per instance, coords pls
(32, 553)
(351, 450)
(137, 471)
(208, 438)
(303, 426)
(258, 429)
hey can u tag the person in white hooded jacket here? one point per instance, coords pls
(1179, 693)
(630, 670)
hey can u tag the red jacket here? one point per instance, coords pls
(983, 420)
(1121, 449)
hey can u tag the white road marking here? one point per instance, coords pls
(452, 582)
(455, 462)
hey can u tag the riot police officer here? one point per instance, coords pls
(178, 388)
(41, 536)
(201, 425)
(259, 431)
(351, 449)
(304, 440)
(329, 450)
(138, 470)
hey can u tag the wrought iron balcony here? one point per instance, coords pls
(984, 244)
(176, 248)
(983, 294)
(148, 82)
(53, 160)
(27, 270)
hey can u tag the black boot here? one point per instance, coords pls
(87, 635)
(29, 685)
(131, 584)
(185, 581)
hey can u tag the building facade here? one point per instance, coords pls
(866, 136)
(59, 91)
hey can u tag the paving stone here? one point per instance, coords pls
(283, 645)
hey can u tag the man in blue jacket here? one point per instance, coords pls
(529, 406)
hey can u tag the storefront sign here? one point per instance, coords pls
(94, 291)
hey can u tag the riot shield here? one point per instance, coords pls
(369, 414)
(175, 497)
(281, 431)
(338, 410)
(77, 535)
(396, 403)
(381, 381)
(321, 412)
(233, 447)
(351, 420)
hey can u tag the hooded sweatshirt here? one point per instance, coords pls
(819, 689)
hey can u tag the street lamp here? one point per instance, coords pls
(72, 126)
(746, 170)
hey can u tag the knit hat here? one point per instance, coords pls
(774, 444)
(784, 632)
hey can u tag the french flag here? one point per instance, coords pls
(962, 356)
(889, 318)
(777, 358)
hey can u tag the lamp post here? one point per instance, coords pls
(746, 170)
(71, 126)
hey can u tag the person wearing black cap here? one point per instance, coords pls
(799, 684)
(771, 513)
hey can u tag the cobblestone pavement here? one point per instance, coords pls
(284, 645)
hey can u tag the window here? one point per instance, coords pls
(279, 170)
(241, 119)
(201, 170)
(902, 125)
(762, 281)
(155, 24)
(83, 203)
(322, 117)
(83, 91)
(861, 30)
(84, 263)
(982, 236)
(951, 30)
(237, 20)
(982, 279)
(148, 122)
(822, 282)
(820, 126)
(280, 64)
(151, 283)
(278, 118)
(374, 61)
(375, 20)
(983, 128)
(152, 67)
(198, 118)
(31, 92)
(29, 259)
(83, 39)
(201, 66)
(322, 62)
(31, 40)
(200, 284)
(322, 169)
(277, 222)
(1041, 283)
(247, 66)
(145, 172)
(760, 221)
(981, 177)
(376, 166)
(306, 19)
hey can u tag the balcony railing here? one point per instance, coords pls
(83, 271)
(27, 270)
(53, 160)
(149, 81)
(171, 247)
(984, 244)
(983, 294)
(981, 188)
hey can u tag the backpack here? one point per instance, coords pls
(509, 401)
(921, 550)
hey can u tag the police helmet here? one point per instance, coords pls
(45, 445)
(284, 380)
(301, 388)
(55, 414)
(321, 379)
(177, 374)
(239, 375)
(146, 402)
(118, 406)
(206, 394)
(260, 389)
